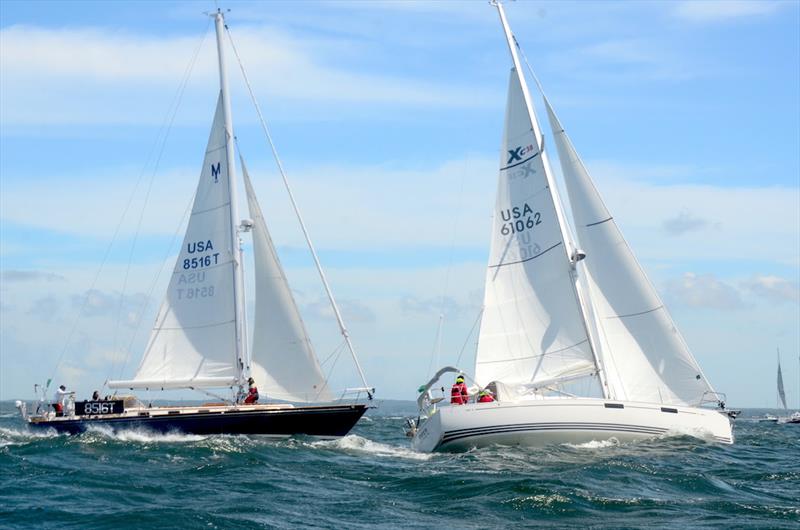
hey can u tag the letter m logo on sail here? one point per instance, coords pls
(215, 172)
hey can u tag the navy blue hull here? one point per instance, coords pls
(331, 421)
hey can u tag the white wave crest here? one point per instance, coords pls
(143, 436)
(595, 444)
(19, 437)
(355, 443)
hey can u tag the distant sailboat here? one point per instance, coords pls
(553, 320)
(200, 341)
(794, 418)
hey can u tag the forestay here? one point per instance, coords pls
(532, 329)
(283, 361)
(643, 354)
(193, 341)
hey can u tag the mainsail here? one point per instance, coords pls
(193, 341)
(643, 354)
(532, 329)
(283, 362)
(781, 392)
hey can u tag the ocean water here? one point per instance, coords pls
(372, 479)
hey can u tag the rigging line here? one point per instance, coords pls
(278, 162)
(474, 324)
(163, 135)
(436, 344)
(437, 347)
(154, 283)
(327, 377)
(525, 58)
(334, 352)
(106, 255)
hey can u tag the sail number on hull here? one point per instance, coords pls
(518, 219)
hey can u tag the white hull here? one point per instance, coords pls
(539, 422)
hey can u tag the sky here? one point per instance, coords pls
(388, 118)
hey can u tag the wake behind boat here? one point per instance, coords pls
(199, 340)
(574, 344)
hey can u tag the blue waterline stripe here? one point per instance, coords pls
(451, 436)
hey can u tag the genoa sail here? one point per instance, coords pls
(193, 341)
(643, 354)
(531, 329)
(283, 361)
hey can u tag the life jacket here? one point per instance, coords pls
(459, 394)
(252, 395)
(485, 397)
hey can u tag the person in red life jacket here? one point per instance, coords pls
(485, 396)
(252, 392)
(459, 394)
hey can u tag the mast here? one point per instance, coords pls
(342, 328)
(242, 362)
(573, 256)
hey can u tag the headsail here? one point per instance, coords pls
(193, 341)
(283, 361)
(532, 329)
(644, 356)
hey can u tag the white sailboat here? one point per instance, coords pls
(557, 317)
(794, 418)
(200, 341)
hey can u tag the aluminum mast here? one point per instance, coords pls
(569, 246)
(242, 359)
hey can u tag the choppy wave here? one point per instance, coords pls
(139, 435)
(14, 436)
(357, 444)
(373, 479)
(595, 444)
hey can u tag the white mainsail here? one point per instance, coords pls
(193, 341)
(532, 329)
(643, 354)
(781, 391)
(283, 362)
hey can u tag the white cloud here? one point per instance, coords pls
(703, 291)
(45, 308)
(721, 10)
(773, 288)
(684, 222)
(14, 276)
(106, 77)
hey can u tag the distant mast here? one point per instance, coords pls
(242, 362)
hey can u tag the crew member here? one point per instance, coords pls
(96, 395)
(459, 394)
(485, 396)
(60, 400)
(252, 392)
